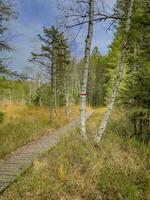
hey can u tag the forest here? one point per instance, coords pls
(75, 125)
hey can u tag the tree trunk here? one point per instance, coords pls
(85, 72)
(55, 94)
(52, 84)
(67, 96)
(134, 125)
(67, 104)
(105, 119)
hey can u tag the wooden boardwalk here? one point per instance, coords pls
(17, 162)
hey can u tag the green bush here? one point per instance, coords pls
(2, 115)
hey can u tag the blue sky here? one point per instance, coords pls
(32, 15)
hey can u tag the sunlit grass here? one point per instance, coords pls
(23, 124)
(75, 170)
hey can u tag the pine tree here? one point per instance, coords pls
(97, 80)
(135, 95)
(6, 14)
(55, 60)
(120, 71)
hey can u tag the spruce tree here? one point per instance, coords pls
(54, 57)
(6, 14)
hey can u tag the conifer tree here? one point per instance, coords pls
(135, 93)
(5, 15)
(55, 60)
(116, 85)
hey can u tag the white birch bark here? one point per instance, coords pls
(85, 70)
(67, 96)
(105, 119)
(55, 93)
(67, 104)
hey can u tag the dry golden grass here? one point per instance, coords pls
(19, 111)
(75, 170)
(23, 124)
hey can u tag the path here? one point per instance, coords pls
(17, 162)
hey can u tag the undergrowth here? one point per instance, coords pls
(75, 170)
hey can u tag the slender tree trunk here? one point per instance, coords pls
(55, 95)
(134, 125)
(40, 102)
(51, 90)
(77, 80)
(67, 95)
(85, 72)
(105, 119)
(10, 99)
(67, 104)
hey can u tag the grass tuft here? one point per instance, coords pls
(76, 170)
(24, 124)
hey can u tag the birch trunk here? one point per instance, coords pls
(85, 72)
(55, 94)
(104, 122)
(67, 96)
(67, 104)
(52, 84)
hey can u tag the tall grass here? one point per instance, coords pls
(74, 170)
(23, 124)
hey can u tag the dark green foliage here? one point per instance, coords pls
(5, 15)
(96, 81)
(134, 92)
(136, 97)
(55, 61)
(2, 115)
(16, 91)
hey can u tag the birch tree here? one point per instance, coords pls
(105, 119)
(80, 13)
(85, 70)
